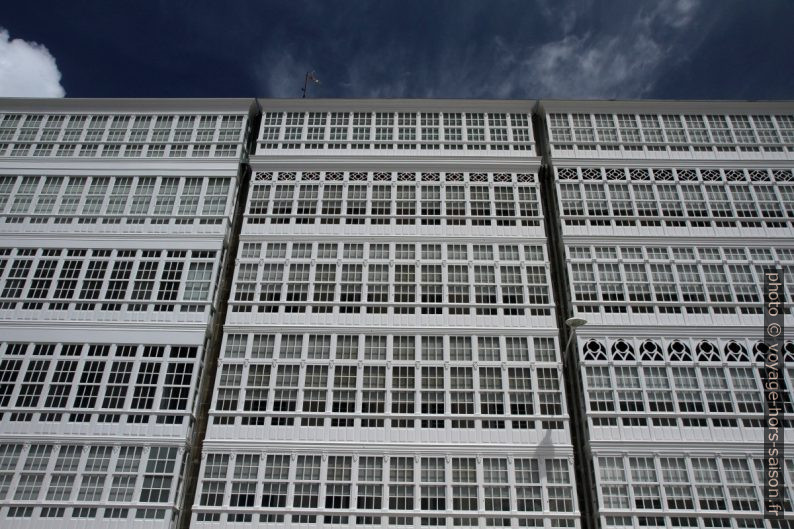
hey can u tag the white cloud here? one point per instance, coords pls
(27, 69)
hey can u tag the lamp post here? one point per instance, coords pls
(573, 324)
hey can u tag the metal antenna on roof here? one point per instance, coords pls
(310, 76)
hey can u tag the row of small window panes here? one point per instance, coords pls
(366, 130)
(327, 482)
(257, 391)
(690, 131)
(698, 204)
(671, 175)
(75, 374)
(390, 347)
(111, 199)
(679, 350)
(384, 203)
(83, 279)
(467, 520)
(665, 309)
(69, 473)
(121, 150)
(380, 176)
(399, 251)
(716, 391)
(672, 283)
(356, 288)
(680, 253)
(118, 128)
(676, 482)
(692, 522)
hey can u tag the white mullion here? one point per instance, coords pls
(47, 382)
(80, 206)
(133, 383)
(111, 260)
(30, 277)
(12, 194)
(349, 140)
(56, 273)
(34, 200)
(103, 207)
(345, 185)
(202, 196)
(180, 189)
(81, 361)
(368, 196)
(59, 195)
(418, 267)
(673, 388)
(158, 181)
(392, 199)
(472, 288)
(364, 282)
(497, 268)
(109, 474)
(326, 139)
(162, 367)
(694, 489)
(15, 391)
(182, 281)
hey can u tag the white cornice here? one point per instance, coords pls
(664, 106)
(145, 241)
(726, 241)
(643, 163)
(30, 165)
(662, 447)
(400, 105)
(127, 105)
(392, 449)
(394, 163)
(402, 330)
(700, 332)
(395, 237)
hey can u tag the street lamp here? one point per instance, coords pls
(573, 324)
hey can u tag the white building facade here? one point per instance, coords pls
(390, 351)
(668, 214)
(115, 216)
(351, 313)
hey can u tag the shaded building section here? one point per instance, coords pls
(114, 220)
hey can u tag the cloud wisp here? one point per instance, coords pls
(27, 69)
(622, 60)
(572, 49)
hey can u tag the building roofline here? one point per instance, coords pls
(130, 105)
(663, 105)
(515, 105)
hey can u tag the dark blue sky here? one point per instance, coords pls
(683, 49)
